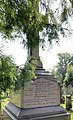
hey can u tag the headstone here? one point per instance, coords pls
(40, 98)
(68, 102)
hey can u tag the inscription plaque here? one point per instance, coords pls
(41, 92)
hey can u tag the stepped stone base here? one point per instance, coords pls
(40, 100)
(12, 112)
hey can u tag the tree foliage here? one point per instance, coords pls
(11, 76)
(28, 17)
(69, 76)
(27, 72)
(65, 59)
(7, 73)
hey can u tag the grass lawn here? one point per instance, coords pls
(71, 112)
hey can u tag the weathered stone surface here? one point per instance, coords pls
(40, 100)
(39, 113)
(41, 92)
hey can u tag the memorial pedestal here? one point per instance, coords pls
(40, 100)
(38, 113)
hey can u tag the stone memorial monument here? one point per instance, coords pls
(40, 98)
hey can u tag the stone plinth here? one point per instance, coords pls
(43, 91)
(40, 100)
(37, 113)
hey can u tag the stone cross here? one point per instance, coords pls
(35, 55)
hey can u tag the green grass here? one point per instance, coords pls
(71, 115)
(71, 112)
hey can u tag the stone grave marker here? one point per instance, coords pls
(40, 98)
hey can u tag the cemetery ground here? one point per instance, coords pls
(64, 105)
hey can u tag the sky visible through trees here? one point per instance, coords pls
(48, 56)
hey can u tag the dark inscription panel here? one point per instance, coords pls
(41, 92)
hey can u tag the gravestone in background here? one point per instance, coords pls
(40, 98)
